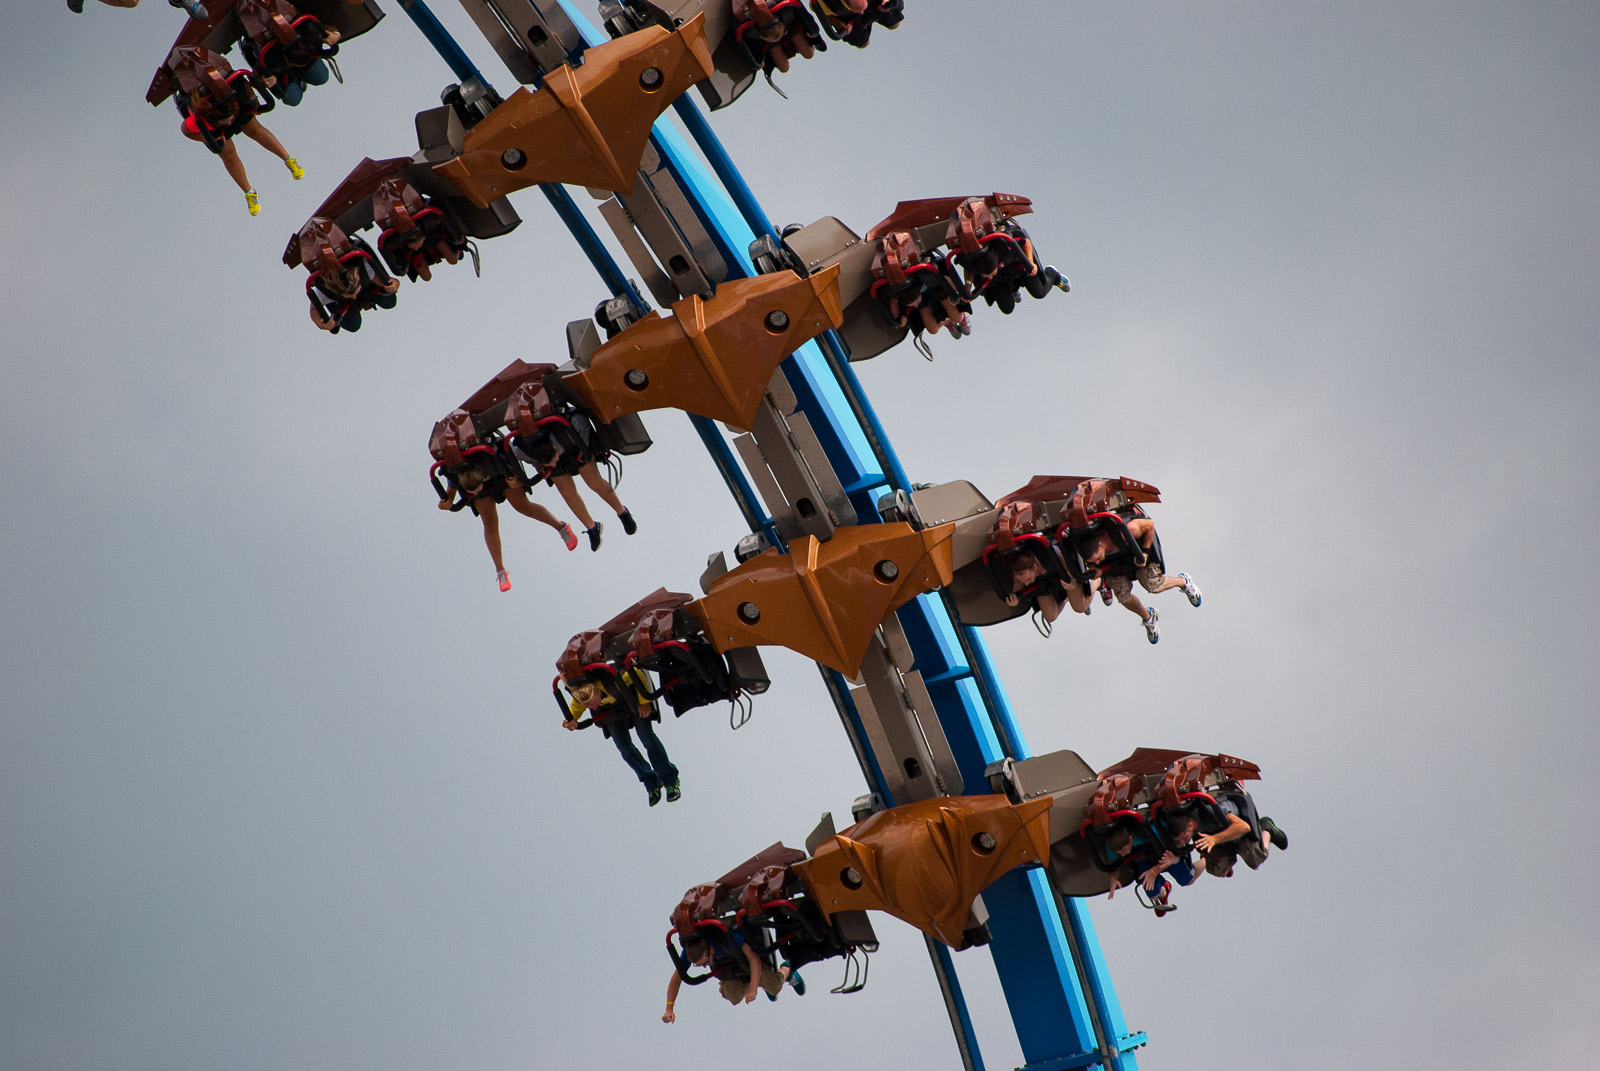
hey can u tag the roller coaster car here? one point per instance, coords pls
(925, 862)
(226, 23)
(825, 600)
(1190, 786)
(584, 662)
(1147, 796)
(989, 540)
(851, 21)
(712, 357)
(283, 44)
(455, 444)
(916, 290)
(765, 905)
(996, 256)
(560, 439)
(386, 193)
(1093, 535)
(666, 639)
(586, 126)
(1015, 541)
(868, 329)
(215, 100)
(415, 234)
(345, 275)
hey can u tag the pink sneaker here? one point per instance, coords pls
(505, 580)
(569, 537)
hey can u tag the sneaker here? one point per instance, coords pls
(1191, 589)
(1151, 629)
(75, 6)
(1280, 839)
(629, 525)
(295, 169)
(655, 795)
(505, 580)
(771, 998)
(567, 536)
(1162, 909)
(1105, 594)
(674, 792)
(253, 202)
(594, 535)
(797, 982)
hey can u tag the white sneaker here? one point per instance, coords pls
(1151, 629)
(1191, 589)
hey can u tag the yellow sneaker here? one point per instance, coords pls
(254, 203)
(295, 169)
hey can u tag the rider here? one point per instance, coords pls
(1149, 576)
(480, 489)
(655, 772)
(763, 976)
(547, 455)
(215, 122)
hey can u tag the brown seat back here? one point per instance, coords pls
(584, 649)
(969, 225)
(450, 436)
(322, 243)
(394, 202)
(264, 20)
(897, 254)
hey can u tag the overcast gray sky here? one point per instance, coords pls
(280, 781)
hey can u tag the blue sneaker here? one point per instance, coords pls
(1190, 589)
(1152, 630)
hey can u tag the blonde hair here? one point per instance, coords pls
(582, 692)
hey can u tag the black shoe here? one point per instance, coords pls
(629, 525)
(655, 795)
(594, 535)
(1280, 839)
(674, 792)
(75, 6)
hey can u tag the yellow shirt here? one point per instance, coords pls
(637, 679)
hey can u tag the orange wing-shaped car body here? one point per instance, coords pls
(825, 600)
(715, 357)
(925, 862)
(586, 126)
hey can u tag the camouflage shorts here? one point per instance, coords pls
(1248, 847)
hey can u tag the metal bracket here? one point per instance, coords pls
(527, 40)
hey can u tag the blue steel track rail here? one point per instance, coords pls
(1049, 961)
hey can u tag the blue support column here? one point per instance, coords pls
(440, 39)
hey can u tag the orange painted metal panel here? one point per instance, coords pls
(713, 358)
(924, 862)
(588, 125)
(825, 600)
